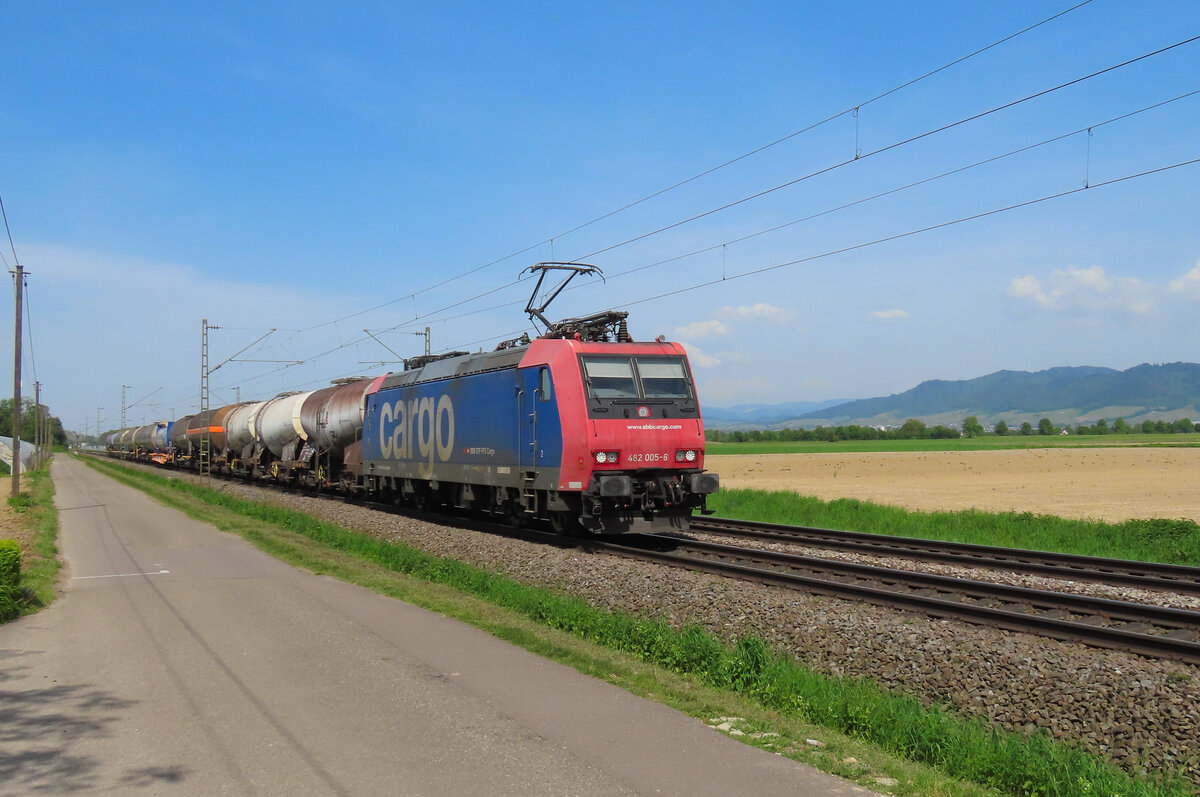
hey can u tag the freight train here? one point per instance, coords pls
(581, 427)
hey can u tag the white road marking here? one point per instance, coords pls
(124, 575)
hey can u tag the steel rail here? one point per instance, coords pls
(1180, 629)
(1124, 572)
(1098, 622)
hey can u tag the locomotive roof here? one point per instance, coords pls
(484, 362)
(455, 367)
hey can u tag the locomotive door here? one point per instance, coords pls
(534, 394)
(527, 384)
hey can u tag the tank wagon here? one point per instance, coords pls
(582, 427)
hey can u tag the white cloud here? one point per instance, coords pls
(1029, 287)
(726, 320)
(1083, 291)
(890, 315)
(697, 357)
(116, 320)
(759, 310)
(704, 329)
(1189, 284)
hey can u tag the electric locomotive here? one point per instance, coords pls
(582, 427)
(573, 428)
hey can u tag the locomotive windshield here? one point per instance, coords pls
(662, 378)
(611, 378)
(636, 377)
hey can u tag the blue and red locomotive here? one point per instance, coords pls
(581, 427)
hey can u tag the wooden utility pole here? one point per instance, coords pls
(16, 446)
(37, 425)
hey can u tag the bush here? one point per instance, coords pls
(10, 563)
(10, 606)
(10, 577)
(20, 502)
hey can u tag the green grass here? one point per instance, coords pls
(866, 732)
(10, 580)
(40, 565)
(986, 443)
(1153, 540)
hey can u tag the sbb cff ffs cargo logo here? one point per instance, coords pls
(417, 429)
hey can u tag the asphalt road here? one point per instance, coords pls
(181, 660)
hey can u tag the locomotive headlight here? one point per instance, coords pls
(603, 457)
(685, 455)
(643, 412)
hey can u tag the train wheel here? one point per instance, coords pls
(563, 522)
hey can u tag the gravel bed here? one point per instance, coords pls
(1150, 597)
(1142, 713)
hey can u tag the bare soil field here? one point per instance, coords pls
(1111, 484)
(14, 527)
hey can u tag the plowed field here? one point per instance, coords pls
(1110, 484)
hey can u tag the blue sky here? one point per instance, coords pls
(300, 163)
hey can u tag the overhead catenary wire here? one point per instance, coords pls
(713, 169)
(855, 203)
(432, 313)
(824, 170)
(890, 238)
(904, 142)
(844, 206)
(906, 234)
(918, 231)
(813, 126)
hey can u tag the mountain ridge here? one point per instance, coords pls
(1067, 395)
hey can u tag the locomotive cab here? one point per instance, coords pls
(633, 439)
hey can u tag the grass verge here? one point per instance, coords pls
(1152, 540)
(38, 518)
(985, 443)
(847, 726)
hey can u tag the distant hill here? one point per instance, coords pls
(1066, 396)
(760, 415)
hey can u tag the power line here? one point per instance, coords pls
(808, 128)
(889, 192)
(857, 158)
(4, 213)
(825, 170)
(29, 329)
(871, 243)
(826, 120)
(359, 339)
(1011, 153)
(899, 236)
(919, 231)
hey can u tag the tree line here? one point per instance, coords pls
(914, 429)
(29, 418)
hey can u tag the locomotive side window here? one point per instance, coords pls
(545, 388)
(663, 379)
(610, 378)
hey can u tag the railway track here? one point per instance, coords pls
(1151, 631)
(1144, 575)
